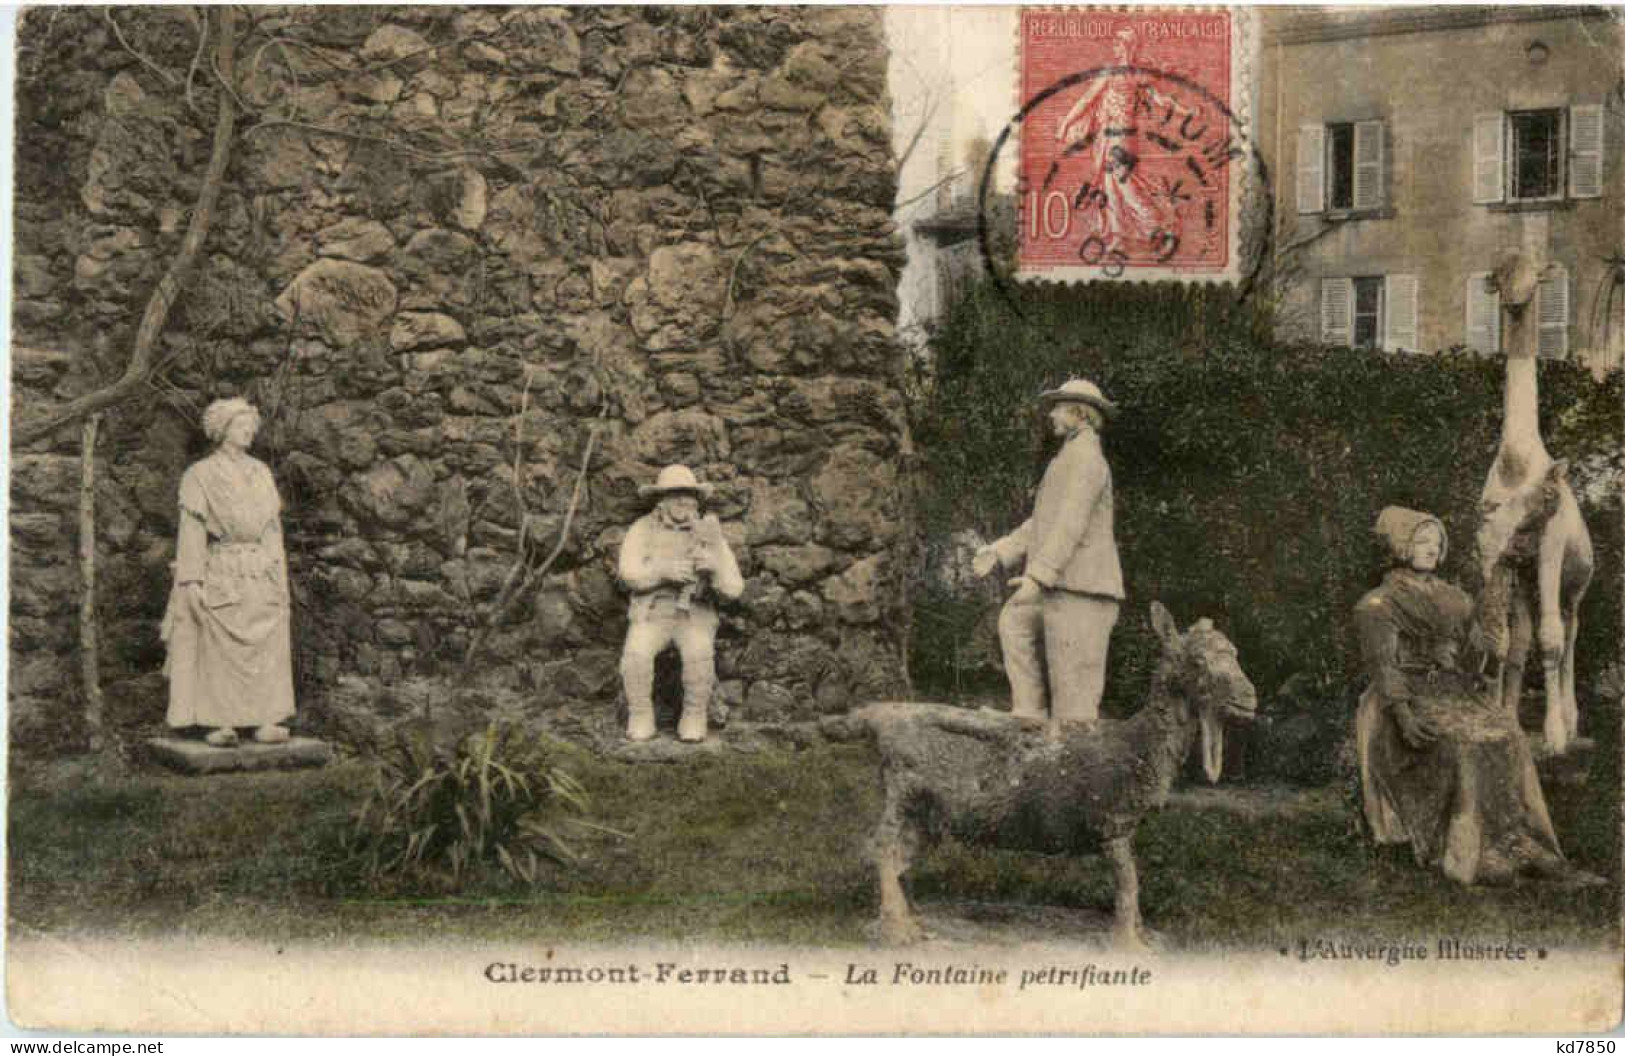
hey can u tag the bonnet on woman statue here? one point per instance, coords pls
(1397, 527)
(1443, 767)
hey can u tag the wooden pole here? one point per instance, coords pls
(89, 657)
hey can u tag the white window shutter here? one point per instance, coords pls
(1552, 312)
(1400, 304)
(1489, 157)
(1483, 314)
(1337, 311)
(1368, 147)
(1312, 169)
(1585, 151)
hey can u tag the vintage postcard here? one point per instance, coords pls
(827, 520)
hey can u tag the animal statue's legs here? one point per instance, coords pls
(1553, 638)
(1520, 632)
(1126, 928)
(1495, 606)
(1077, 633)
(644, 640)
(695, 642)
(1021, 634)
(1571, 629)
(892, 847)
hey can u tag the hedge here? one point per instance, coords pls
(1248, 473)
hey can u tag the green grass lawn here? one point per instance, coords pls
(736, 848)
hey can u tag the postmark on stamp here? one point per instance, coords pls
(1134, 155)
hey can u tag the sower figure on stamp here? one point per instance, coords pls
(1133, 217)
(673, 561)
(1065, 605)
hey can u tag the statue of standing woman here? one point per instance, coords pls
(230, 660)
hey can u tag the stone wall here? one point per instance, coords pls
(451, 243)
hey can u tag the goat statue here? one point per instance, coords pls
(984, 777)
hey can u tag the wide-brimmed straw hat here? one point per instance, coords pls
(676, 479)
(1080, 390)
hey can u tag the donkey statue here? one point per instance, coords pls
(985, 778)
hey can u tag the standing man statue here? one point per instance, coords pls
(1061, 616)
(672, 561)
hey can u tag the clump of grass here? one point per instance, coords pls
(442, 812)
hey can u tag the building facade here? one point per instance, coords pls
(1410, 148)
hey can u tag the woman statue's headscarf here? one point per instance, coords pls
(220, 414)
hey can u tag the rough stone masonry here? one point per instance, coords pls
(449, 242)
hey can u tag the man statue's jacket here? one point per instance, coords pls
(1068, 541)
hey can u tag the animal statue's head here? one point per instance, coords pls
(1201, 671)
(1514, 280)
(1515, 509)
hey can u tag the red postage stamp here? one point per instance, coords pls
(1133, 143)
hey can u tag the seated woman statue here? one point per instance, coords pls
(1442, 766)
(230, 663)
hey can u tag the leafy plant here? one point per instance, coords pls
(439, 812)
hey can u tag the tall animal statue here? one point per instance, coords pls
(1535, 550)
(986, 778)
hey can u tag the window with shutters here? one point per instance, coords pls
(1341, 167)
(1336, 311)
(1399, 313)
(1483, 314)
(1368, 305)
(1552, 312)
(1370, 311)
(1534, 155)
(1529, 157)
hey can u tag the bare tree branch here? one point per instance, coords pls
(919, 133)
(519, 475)
(224, 78)
(506, 600)
(202, 18)
(952, 176)
(733, 273)
(281, 45)
(698, 182)
(318, 52)
(432, 48)
(387, 141)
(163, 74)
(170, 286)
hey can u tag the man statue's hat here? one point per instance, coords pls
(1079, 390)
(676, 479)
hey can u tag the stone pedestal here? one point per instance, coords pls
(1571, 769)
(664, 750)
(195, 757)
